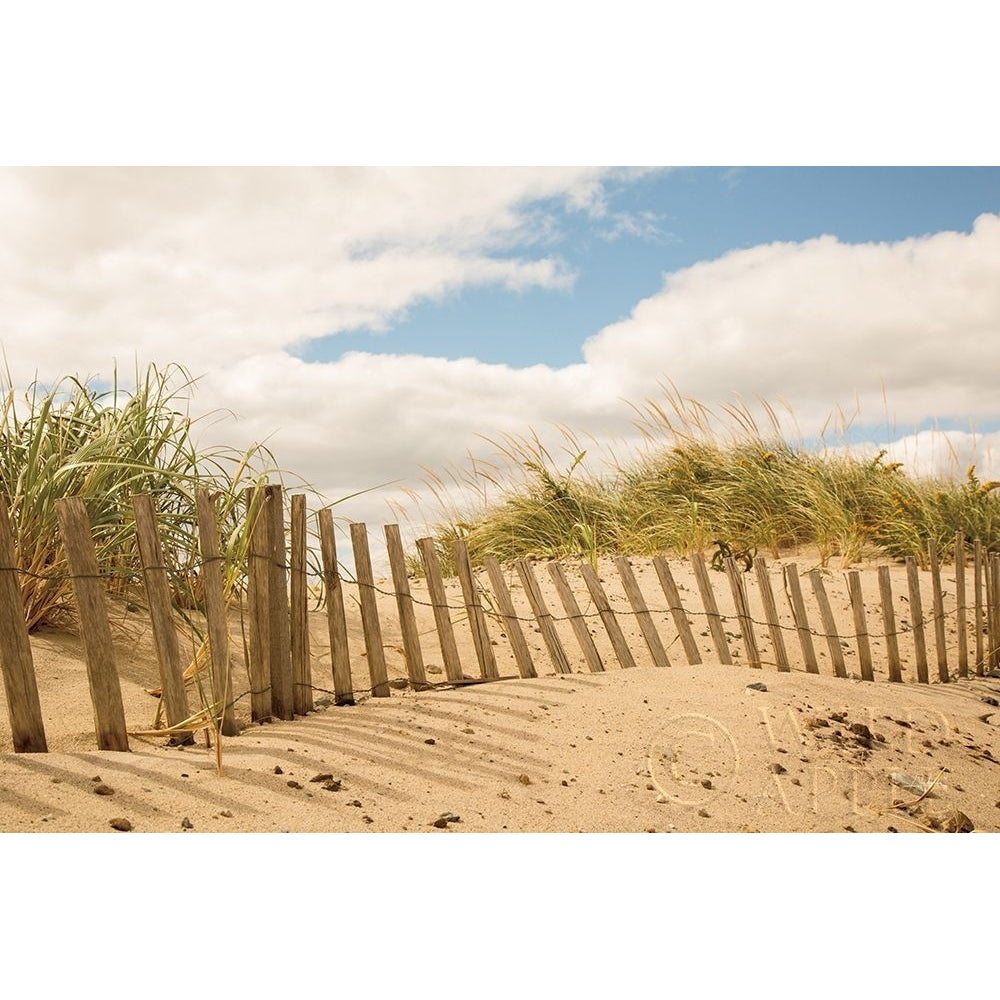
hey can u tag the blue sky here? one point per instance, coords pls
(376, 324)
(682, 216)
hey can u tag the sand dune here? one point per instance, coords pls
(684, 748)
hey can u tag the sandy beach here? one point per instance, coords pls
(687, 748)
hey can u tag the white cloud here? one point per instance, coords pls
(229, 271)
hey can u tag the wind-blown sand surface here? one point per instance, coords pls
(685, 749)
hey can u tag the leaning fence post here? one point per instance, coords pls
(860, 624)
(771, 614)
(154, 573)
(258, 586)
(525, 664)
(477, 620)
(793, 589)
(977, 572)
(102, 674)
(439, 603)
(336, 621)
(917, 613)
(282, 697)
(889, 620)
(938, 598)
(743, 612)
(23, 706)
(369, 611)
(302, 691)
(994, 567)
(829, 623)
(215, 610)
(576, 619)
(962, 617)
(543, 616)
(711, 608)
(672, 594)
(642, 615)
(600, 599)
(404, 604)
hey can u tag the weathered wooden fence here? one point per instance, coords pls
(762, 631)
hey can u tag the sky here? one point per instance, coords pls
(379, 325)
(370, 322)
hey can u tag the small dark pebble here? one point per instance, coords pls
(103, 790)
(96, 777)
(991, 701)
(524, 779)
(186, 824)
(226, 813)
(860, 729)
(355, 802)
(120, 824)
(850, 829)
(293, 784)
(707, 783)
(430, 742)
(367, 819)
(441, 823)
(332, 786)
(322, 777)
(892, 829)
(468, 731)
(758, 686)
(277, 769)
(703, 813)
(778, 769)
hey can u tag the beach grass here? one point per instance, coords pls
(72, 438)
(702, 478)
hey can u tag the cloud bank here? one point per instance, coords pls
(230, 272)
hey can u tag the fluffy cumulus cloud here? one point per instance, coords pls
(230, 272)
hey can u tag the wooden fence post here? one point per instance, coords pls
(282, 697)
(940, 638)
(404, 604)
(369, 611)
(642, 615)
(102, 674)
(676, 607)
(439, 603)
(340, 655)
(477, 620)
(215, 610)
(829, 623)
(258, 587)
(23, 706)
(917, 613)
(994, 566)
(743, 612)
(771, 614)
(961, 609)
(860, 624)
(977, 585)
(525, 664)
(614, 631)
(889, 620)
(576, 619)
(711, 608)
(793, 589)
(302, 691)
(560, 662)
(154, 573)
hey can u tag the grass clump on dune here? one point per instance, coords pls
(70, 439)
(702, 479)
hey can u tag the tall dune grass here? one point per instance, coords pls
(701, 478)
(71, 439)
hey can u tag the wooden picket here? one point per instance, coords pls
(279, 663)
